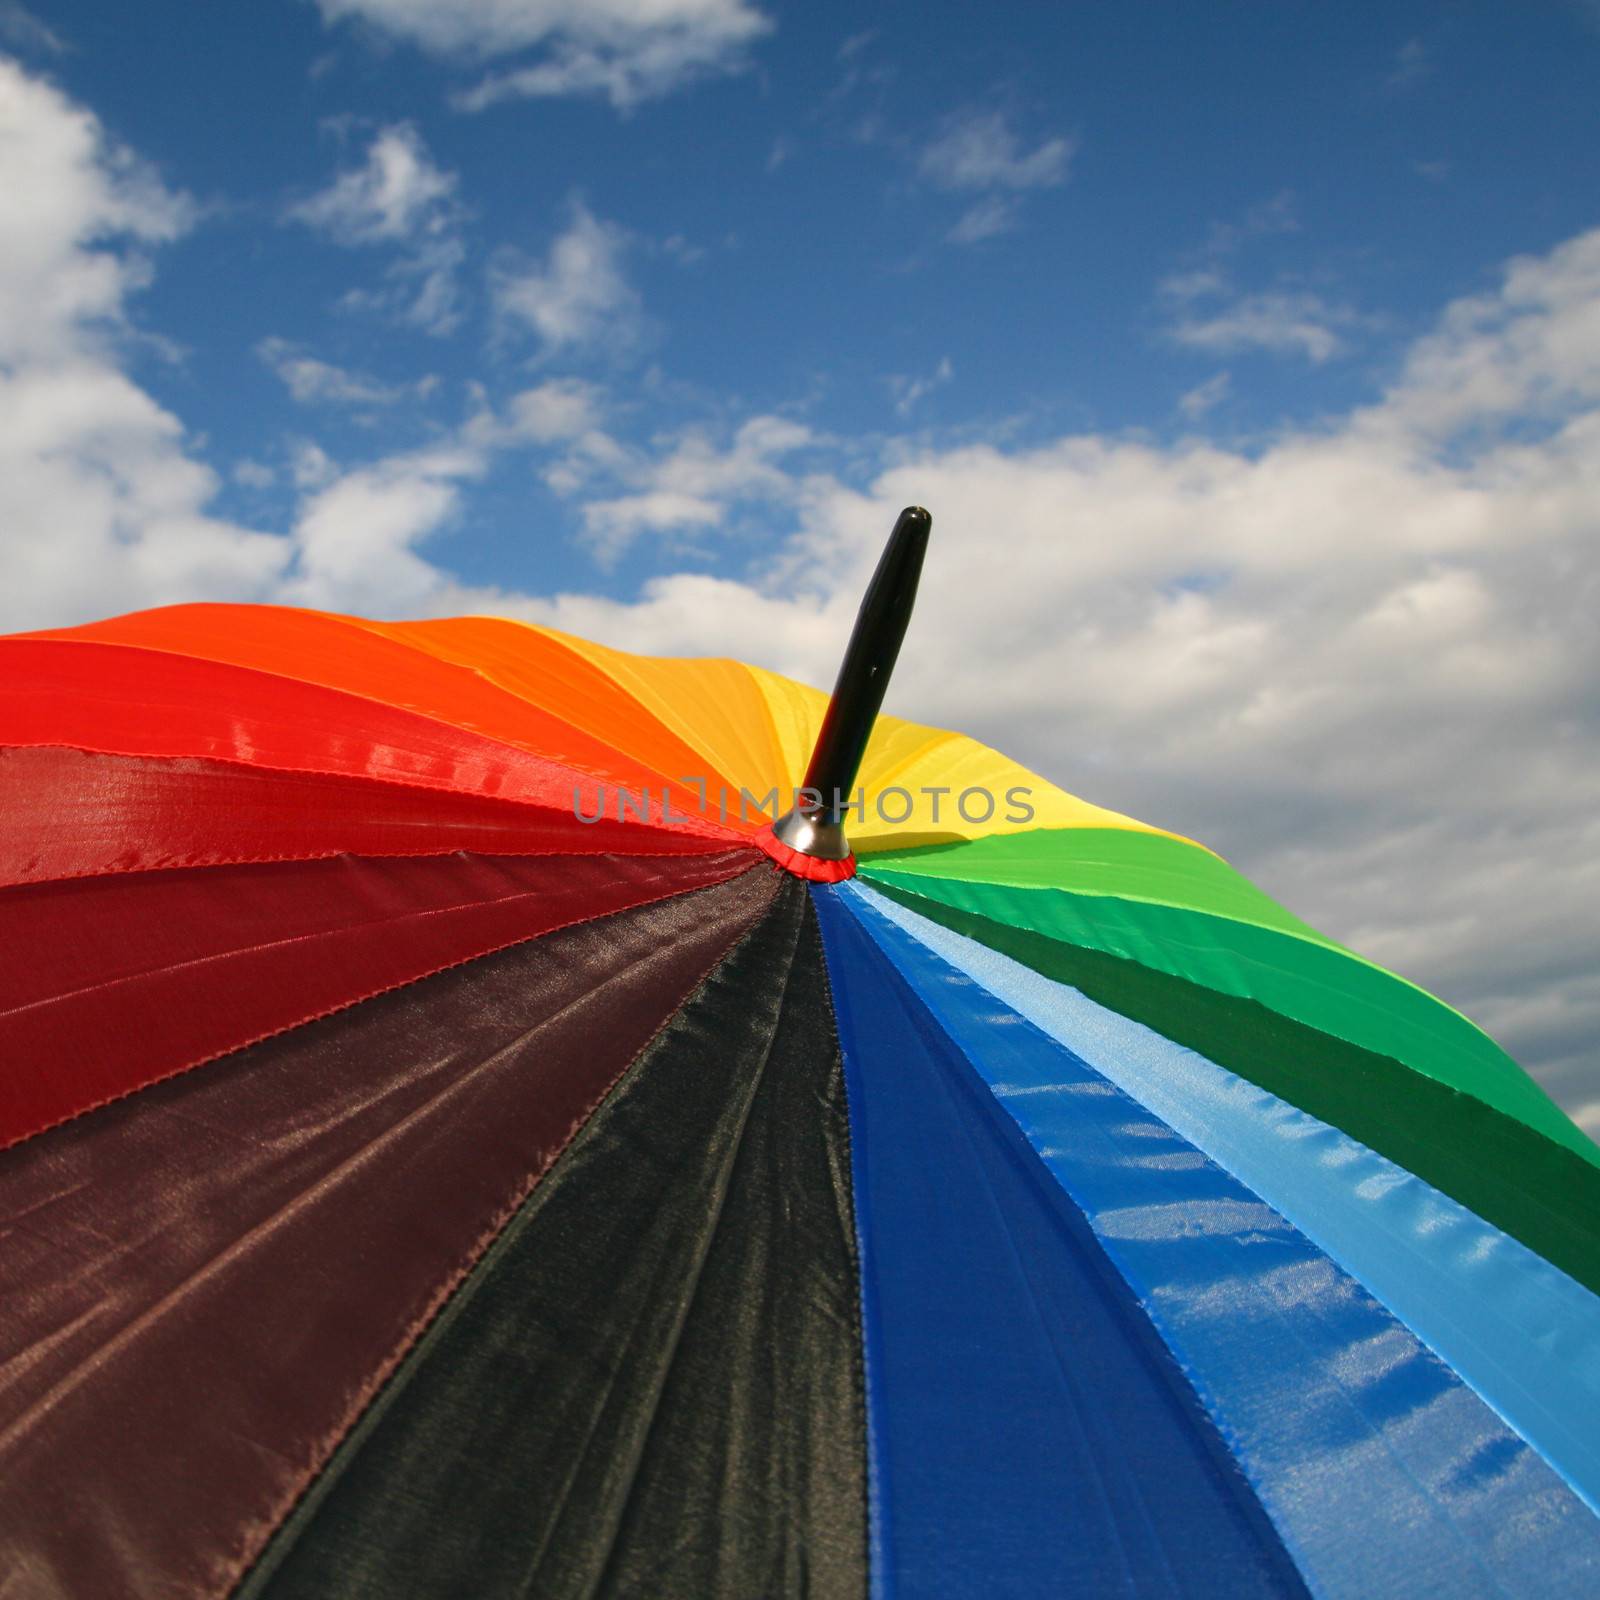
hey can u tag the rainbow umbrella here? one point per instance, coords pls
(466, 1136)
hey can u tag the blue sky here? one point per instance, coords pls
(789, 231)
(1248, 357)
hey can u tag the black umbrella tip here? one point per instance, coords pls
(814, 827)
(894, 583)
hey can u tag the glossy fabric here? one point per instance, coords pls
(916, 759)
(1305, 980)
(1127, 863)
(1030, 1433)
(705, 724)
(299, 650)
(1340, 1417)
(78, 813)
(98, 994)
(1525, 1336)
(207, 1284)
(1528, 1186)
(555, 672)
(123, 701)
(651, 1386)
(355, 843)
(715, 705)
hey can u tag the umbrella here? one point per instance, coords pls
(464, 1135)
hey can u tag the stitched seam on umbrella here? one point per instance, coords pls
(395, 1364)
(927, 1024)
(344, 1005)
(1312, 938)
(709, 1240)
(1249, 964)
(858, 1345)
(397, 782)
(712, 847)
(1016, 883)
(477, 671)
(414, 916)
(941, 738)
(1217, 1438)
(555, 1512)
(353, 694)
(1510, 1195)
(241, 1244)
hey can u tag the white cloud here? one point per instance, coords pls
(1529, 349)
(1205, 396)
(312, 467)
(1278, 214)
(104, 508)
(314, 382)
(21, 29)
(1194, 283)
(682, 251)
(68, 194)
(561, 409)
(625, 50)
(356, 538)
(1279, 321)
(1412, 64)
(397, 197)
(978, 150)
(692, 485)
(101, 506)
(580, 295)
(907, 391)
(986, 219)
(394, 194)
(1210, 312)
(359, 530)
(612, 525)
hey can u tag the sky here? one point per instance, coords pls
(1247, 356)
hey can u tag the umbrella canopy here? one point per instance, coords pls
(455, 1144)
